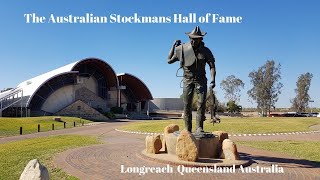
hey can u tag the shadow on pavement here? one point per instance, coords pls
(283, 162)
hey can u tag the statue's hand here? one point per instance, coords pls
(213, 84)
(177, 43)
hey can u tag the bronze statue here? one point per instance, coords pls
(193, 57)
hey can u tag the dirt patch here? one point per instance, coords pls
(315, 127)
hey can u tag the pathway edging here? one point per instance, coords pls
(232, 135)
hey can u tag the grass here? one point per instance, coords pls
(11, 126)
(15, 155)
(305, 150)
(233, 125)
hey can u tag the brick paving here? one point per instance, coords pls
(104, 161)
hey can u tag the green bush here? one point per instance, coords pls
(221, 108)
(110, 115)
(232, 107)
(116, 110)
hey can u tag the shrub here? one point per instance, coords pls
(232, 107)
(116, 110)
(110, 115)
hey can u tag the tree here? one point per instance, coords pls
(266, 86)
(301, 101)
(232, 107)
(232, 87)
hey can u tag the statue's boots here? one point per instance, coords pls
(199, 130)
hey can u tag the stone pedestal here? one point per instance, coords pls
(202, 149)
(208, 145)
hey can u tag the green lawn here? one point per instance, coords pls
(233, 125)
(14, 156)
(304, 150)
(11, 126)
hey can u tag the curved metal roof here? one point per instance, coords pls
(140, 90)
(31, 86)
(42, 86)
(105, 68)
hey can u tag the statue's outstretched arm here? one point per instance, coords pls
(171, 57)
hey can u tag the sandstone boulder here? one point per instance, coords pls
(171, 128)
(222, 135)
(187, 148)
(229, 150)
(153, 144)
(170, 143)
(168, 130)
(35, 171)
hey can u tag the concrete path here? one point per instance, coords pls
(120, 154)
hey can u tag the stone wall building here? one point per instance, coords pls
(166, 104)
(83, 88)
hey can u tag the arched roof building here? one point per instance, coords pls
(135, 86)
(91, 82)
(135, 94)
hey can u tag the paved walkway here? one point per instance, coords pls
(121, 152)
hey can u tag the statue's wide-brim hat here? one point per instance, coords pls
(196, 33)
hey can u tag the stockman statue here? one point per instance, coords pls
(193, 57)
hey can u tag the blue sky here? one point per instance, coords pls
(284, 31)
